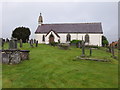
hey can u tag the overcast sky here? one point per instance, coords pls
(15, 14)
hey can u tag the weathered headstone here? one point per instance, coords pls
(109, 49)
(13, 44)
(21, 43)
(112, 50)
(26, 40)
(36, 44)
(34, 40)
(1, 43)
(31, 43)
(7, 40)
(5, 58)
(90, 52)
(78, 44)
(83, 48)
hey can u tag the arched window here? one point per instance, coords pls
(43, 38)
(87, 38)
(68, 37)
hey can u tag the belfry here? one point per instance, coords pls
(40, 20)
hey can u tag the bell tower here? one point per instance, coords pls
(40, 20)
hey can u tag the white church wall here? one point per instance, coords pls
(39, 38)
(74, 36)
(94, 39)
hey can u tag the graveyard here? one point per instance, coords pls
(51, 67)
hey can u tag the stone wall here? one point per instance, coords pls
(14, 56)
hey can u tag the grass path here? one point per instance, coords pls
(50, 67)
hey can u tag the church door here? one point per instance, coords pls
(51, 38)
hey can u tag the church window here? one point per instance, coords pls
(87, 38)
(43, 38)
(68, 37)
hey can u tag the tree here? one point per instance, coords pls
(21, 33)
(104, 41)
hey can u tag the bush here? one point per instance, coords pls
(75, 41)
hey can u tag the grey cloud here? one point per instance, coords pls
(26, 14)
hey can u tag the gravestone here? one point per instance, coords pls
(36, 44)
(13, 55)
(78, 44)
(13, 43)
(26, 40)
(109, 49)
(83, 49)
(1, 43)
(31, 43)
(34, 40)
(90, 52)
(112, 50)
(21, 43)
(7, 40)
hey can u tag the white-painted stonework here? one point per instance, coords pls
(66, 32)
(94, 39)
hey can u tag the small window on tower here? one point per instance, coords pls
(43, 38)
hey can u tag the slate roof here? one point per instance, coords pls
(71, 28)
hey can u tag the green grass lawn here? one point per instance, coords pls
(51, 67)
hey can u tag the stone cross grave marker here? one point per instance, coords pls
(83, 48)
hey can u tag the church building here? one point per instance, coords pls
(91, 33)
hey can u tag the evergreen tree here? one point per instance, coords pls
(21, 33)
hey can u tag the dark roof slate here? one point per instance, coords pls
(71, 28)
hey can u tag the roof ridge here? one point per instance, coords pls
(75, 23)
